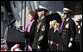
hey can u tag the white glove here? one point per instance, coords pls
(51, 42)
(38, 47)
(70, 44)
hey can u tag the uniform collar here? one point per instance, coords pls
(67, 19)
(78, 26)
(41, 19)
(54, 30)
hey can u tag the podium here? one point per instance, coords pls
(15, 37)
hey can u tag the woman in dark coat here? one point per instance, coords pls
(30, 30)
(54, 37)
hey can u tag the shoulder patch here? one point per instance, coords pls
(43, 28)
(40, 38)
(71, 39)
(79, 31)
(67, 25)
(38, 26)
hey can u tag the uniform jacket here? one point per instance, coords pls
(31, 33)
(78, 32)
(41, 34)
(68, 31)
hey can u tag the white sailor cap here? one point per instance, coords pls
(41, 8)
(67, 10)
(78, 20)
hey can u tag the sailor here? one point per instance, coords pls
(78, 33)
(68, 30)
(40, 40)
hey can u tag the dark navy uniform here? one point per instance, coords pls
(40, 38)
(81, 39)
(68, 31)
(77, 34)
(77, 38)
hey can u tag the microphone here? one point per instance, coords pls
(11, 22)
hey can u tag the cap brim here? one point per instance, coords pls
(41, 9)
(78, 20)
(65, 12)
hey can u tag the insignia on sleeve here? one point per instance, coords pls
(79, 31)
(38, 26)
(40, 38)
(67, 25)
(71, 39)
(43, 28)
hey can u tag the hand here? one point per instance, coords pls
(70, 44)
(57, 46)
(51, 42)
(38, 47)
(71, 39)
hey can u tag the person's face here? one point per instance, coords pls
(64, 16)
(50, 23)
(41, 13)
(30, 17)
(53, 23)
(77, 23)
